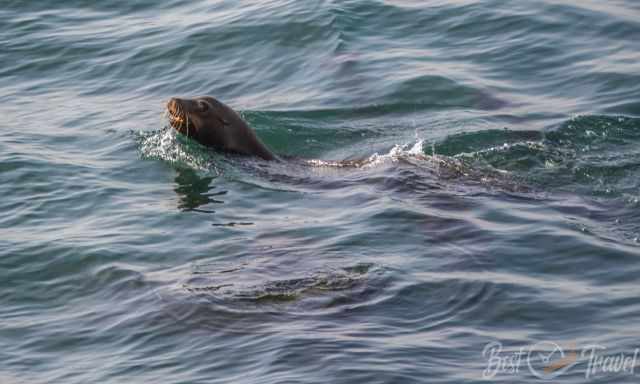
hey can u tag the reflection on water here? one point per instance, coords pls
(195, 191)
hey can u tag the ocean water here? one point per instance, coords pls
(493, 218)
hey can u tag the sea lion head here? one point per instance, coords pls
(214, 124)
(191, 116)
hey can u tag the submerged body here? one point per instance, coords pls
(214, 124)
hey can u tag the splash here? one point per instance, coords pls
(403, 150)
(399, 151)
(168, 146)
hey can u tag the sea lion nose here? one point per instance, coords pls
(173, 104)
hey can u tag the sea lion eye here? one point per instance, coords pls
(204, 107)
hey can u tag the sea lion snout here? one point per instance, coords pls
(178, 115)
(174, 105)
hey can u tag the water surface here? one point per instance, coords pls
(497, 201)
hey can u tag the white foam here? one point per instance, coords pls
(397, 152)
(164, 145)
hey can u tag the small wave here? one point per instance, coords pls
(224, 282)
(224, 295)
(439, 167)
(597, 155)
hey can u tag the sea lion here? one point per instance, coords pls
(214, 124)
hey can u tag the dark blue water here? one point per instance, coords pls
(494, 208)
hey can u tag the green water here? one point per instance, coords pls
(496, 199)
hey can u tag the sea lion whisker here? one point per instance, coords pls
(181, 113)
